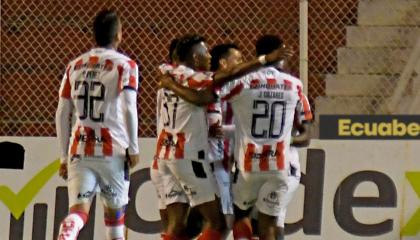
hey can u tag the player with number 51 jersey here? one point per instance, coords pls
(184, 133)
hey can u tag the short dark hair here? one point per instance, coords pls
(172, 46)
(105, 27)
(218, 52)
(267, 43)
(185, 45)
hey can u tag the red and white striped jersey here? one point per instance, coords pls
(93, 82)
(216, 145)
(303, 113)
(184, 133)
(303, 109)
(264, 104)
(229, 141)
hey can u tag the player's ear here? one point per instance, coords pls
(118, 36)
(223, 63)
(195, 59)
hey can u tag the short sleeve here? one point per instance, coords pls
(230, 90)
(303, 108)
(199, 80)
(129, 75)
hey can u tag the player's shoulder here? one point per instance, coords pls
(281, 75)
(183, 72)
(107, 54)
(166, 67)
(79, 59)
(121, 59)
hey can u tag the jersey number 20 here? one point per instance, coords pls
(270, 112)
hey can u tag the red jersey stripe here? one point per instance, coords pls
(306, 106)
(132, 64)
(180, 145)
(229, 114)
(78, 64)
(280, 155)
(169, 138)
(90, 141)
(155, 163)
(159, 143)
(192, 83)
(235, 91)
(66, 92)
(93, 60)
(250, 150)
(108, 65)
(264, 159)
(120, 75)
(75, 144)
(132, 82)
(226, 157)
(106, 142)
(271, 81)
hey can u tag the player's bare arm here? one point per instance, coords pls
(304, 137)
(197, 97)
(222, 77)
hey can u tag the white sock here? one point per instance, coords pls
(70, 227)
(115, 232)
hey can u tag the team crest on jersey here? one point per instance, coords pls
(272, 200)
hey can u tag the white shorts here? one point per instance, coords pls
(265, 190)
(191, 178)
(88, 175)
(224, 187)
(292, 185)
(158, 182)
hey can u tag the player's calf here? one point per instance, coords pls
(72, 224)
(242, 229)
(114, 223)
(216, 224)
(267, 227)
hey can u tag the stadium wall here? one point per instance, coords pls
(350, 190)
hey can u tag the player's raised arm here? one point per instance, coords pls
(222, 77)
(197, 97)
(207, 96)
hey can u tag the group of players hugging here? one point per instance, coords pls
(228, 129)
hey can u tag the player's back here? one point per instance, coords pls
(185, 131)
(264, 105)
(95, 81)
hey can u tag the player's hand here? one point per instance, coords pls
(133, 160)
(165, 81)
(282, 53)
(62, 172)
(216, 130)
